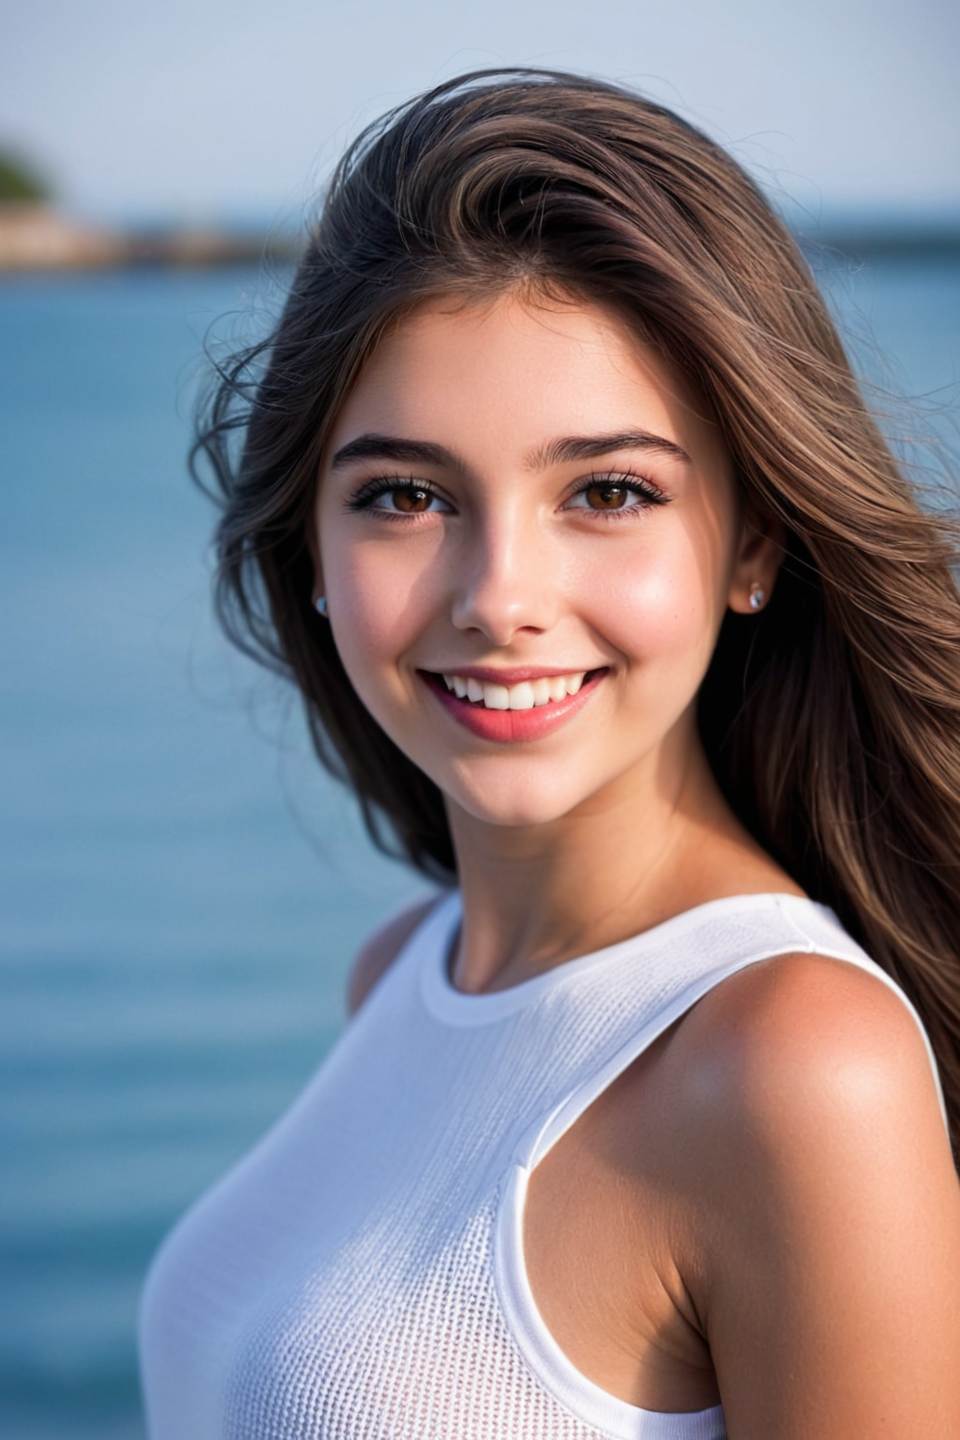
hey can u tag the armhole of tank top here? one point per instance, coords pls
(589, 1401)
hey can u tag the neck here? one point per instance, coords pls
(536, 896)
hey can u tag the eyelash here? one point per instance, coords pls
(628, 480)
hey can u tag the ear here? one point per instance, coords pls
(759, 553)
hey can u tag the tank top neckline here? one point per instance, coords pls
(447, 1003)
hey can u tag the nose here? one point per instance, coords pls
(505, 578)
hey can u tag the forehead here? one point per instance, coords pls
(530, 368)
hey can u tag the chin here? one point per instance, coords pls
(510, 800)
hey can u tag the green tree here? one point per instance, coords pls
(19, 180)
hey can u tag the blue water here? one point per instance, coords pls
(181, 887)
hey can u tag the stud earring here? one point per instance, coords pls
(757, 595)
(320, 604)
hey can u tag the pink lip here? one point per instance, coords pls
(511, 725)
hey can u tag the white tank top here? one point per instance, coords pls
(358, 1274)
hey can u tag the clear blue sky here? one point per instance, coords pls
(222, 106)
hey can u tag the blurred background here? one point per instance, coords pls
(182, 889)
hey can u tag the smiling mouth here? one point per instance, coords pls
(436, 678)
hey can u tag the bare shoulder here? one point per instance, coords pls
(381, 948)
(824, 1244)
(805, 1016)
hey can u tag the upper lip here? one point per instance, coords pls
(514, 674)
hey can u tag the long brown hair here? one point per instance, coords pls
(831, 718)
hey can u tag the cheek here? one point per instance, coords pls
(657, 604)
(373, 620)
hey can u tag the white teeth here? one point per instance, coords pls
(524, 696)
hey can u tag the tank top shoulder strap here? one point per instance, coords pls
(795, 924)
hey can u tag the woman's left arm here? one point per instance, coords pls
(828, 1256)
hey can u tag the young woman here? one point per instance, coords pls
(561, 506)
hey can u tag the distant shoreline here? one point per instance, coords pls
(36, 237)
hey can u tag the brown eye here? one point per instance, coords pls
(616, 493)
(409, 498)
(405, 497)
(612, 495)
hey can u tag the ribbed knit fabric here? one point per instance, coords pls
(358, 1274)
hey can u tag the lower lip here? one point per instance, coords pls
(511, 725)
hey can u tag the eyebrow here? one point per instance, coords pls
(373, 446)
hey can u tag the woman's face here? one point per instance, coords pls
(515, 551)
